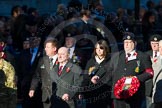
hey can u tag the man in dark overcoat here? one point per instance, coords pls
(153, 53)
(133, 66)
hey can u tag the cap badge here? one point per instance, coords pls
(128, 37)
(68, 34)
(155, 39)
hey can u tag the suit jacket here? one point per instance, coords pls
(68, 82)
(42, 75)
(26, 72)
(150, 53)
(157, 80)
(149, 83)
(26, 69)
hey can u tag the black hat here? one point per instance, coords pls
(26, 39)
(69, 34)
(129, 36)
(155, 37)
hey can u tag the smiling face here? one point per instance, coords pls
(129, 45)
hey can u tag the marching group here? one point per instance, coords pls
(69, 70)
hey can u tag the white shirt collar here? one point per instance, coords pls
(71, 51)
(158, 54)
(132, 53)
(54, 58)
(99, 60)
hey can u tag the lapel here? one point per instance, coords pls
(157, 67)
(47, 64)
(64, 71)
(54, 73)
(38, 55)
(123, 57)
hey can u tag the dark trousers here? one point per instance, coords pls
(156, 105)
(119, 103)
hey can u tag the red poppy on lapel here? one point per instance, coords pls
(67, 70)
(135, 54)
(155, 60)
(56, 63)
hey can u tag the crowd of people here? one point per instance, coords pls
(64, 60)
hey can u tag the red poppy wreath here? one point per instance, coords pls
(126, 87)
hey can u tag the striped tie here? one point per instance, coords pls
(60, 70)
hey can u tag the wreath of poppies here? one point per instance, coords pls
(123, 91)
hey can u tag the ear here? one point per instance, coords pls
(55, 49)
(135, 43)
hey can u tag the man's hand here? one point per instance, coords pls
(66, 97)
(31, 93)
(95, 79)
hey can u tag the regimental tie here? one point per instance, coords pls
(60, 70)
(155, 54)
(69, 51)
(128, 55)
(51, 63)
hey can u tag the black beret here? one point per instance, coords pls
(69, 34)
(26, 39)
(155, 37)
(129, 36)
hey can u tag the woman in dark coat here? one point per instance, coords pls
(98, 93)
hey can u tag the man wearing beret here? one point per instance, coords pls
(154, 42)
(130, 69)
(76, 55)
(153, 53)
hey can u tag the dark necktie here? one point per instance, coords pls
(128, 55)
(51, 63)
(69, 51)
(155, 54)
(60, 70)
